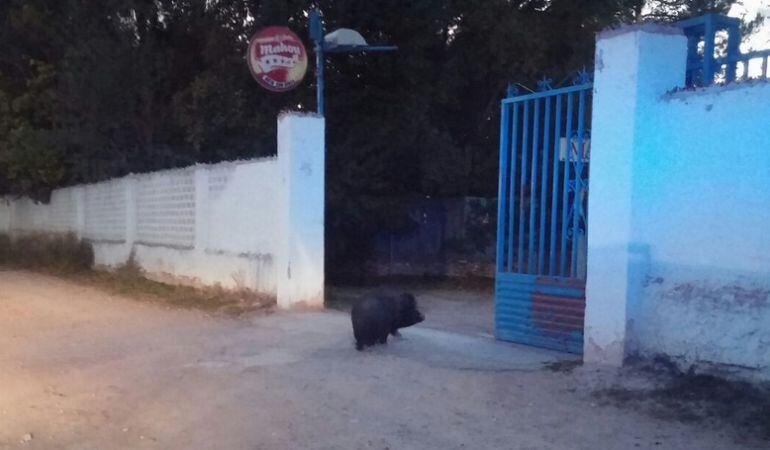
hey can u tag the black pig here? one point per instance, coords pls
(374, 318)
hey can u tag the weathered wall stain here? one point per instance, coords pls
(728, 297)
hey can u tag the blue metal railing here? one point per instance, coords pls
(703, 68)
(544, 137)
(738, 66)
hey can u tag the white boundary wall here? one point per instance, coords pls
(678, 242)
(235, 224)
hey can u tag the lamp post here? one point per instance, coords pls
(343, 40)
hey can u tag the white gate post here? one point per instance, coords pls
(300, 250)
(635, 66)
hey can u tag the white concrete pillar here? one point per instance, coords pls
(79, 202)
(12, 225)
(5, 215)
(300, 250)
(635, 66)
(202, 213)
(130, 186)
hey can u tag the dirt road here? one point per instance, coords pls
(81, 369)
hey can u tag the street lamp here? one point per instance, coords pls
(343, 40)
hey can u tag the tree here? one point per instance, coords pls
(93, 90)
(673, 10)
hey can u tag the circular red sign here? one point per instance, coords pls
(277, 59)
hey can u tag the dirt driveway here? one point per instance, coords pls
(81, 369)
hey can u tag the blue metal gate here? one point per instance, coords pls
(542, 216)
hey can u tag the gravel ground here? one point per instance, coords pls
(82, 369)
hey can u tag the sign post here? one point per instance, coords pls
(343, 40)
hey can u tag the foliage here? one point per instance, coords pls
(672, 10)
(92, 90)
(59, 253)
(73, 258)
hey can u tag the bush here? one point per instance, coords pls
(62, 253)
(5, 248)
